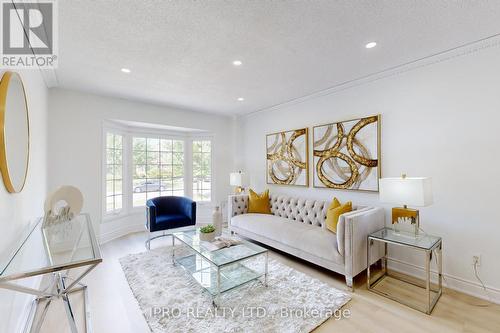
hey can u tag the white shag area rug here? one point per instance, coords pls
(172, 301)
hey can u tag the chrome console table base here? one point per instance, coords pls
(60, 287)
(41, 305)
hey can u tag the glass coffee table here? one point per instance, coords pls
(219, 270)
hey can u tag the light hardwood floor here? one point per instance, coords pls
(114, 308)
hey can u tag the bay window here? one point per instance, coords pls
(140, 166)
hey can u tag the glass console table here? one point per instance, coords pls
(219, 270)
(423, 243)
(52, 252)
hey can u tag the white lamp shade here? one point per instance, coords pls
(236, 178)
(416, 191)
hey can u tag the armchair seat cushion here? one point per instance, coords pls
(171, 221)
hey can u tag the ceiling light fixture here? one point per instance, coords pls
(125, 70)
(371, 45)
(237, 63)
(240, 99)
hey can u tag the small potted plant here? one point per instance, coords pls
(207, 233)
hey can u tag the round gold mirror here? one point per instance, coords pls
(14, 132)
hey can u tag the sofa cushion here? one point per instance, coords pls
(304, 237)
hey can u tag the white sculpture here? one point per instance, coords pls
(62, 205)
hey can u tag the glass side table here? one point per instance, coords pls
(423, 243)
(69, 247)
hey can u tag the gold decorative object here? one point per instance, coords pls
(405, 215)
(14, 132)
(347, 154)
(287, 158)
(404, 218)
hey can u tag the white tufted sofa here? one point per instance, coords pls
(297, 226)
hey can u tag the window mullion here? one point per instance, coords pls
(112, 150)
(127, 173)
(188, 167)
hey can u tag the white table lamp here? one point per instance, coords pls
(237, 179)
(406, 191)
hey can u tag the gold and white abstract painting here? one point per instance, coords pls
(347, 154)
(287, 158)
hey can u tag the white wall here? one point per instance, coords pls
(440, 120)
(18, 210)
(75, 146)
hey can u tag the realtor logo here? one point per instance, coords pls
(29, 34)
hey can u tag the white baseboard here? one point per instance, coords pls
(120, 232)
(133, 228)
(468, 287)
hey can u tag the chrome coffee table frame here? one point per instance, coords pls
(218, 289)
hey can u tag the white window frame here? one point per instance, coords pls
(122, 212)
(212, 172)
(128, 133)
(153, 135)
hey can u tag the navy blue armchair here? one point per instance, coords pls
(169, 212)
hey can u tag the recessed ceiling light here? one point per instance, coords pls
(371, 45)
(237, 63)
(240, 99)
(125, 70)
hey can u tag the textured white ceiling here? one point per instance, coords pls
(180, 52)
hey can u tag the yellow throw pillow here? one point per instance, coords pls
(335, 203)
(334, 212)
(329, 215)
(259, 203)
